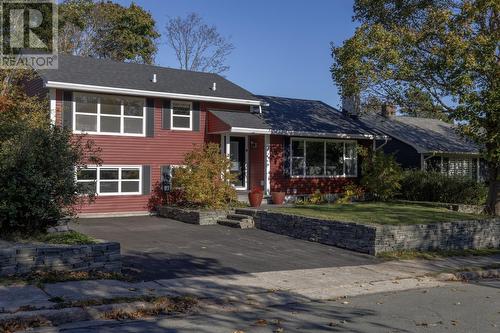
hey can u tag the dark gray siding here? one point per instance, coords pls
(405, 154)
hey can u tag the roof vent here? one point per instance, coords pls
(214, 86)
(154, 78)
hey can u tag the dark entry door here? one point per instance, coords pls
(238, 160)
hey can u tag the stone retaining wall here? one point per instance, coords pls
(193, 216)
(25, 258)
(457, 235)
(374, 238)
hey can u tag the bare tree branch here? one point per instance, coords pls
(198, 46)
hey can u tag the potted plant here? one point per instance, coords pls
(278, 197)
(255, 197)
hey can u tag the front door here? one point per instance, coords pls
(237, 154)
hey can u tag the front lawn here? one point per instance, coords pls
(379, 212)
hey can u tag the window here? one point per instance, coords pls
(111, 180)
(109, 114)
(453, 166)
(181, 115)
(323, 158)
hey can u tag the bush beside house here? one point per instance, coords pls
(419, 185)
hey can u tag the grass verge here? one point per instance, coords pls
(159, 306)
(43, 277)
(390, 213)
(438, 254)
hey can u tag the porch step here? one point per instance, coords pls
(246, 223)
(239, 217)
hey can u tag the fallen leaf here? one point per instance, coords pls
(261, 322)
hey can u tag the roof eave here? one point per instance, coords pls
(146, 93)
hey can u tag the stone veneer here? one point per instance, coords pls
(18, 259)
(374, 238)
(193, 216)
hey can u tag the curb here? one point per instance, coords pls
(470, 275)
(56, 317)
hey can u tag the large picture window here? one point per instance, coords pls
(323, 158)
(181, 115)
(109, 114)
(111, 180)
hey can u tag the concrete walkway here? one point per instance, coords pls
(267, 288)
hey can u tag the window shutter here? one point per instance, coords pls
(150, 117)
(67, 111)
(196, 116)
(165, 114)
(286, 155)
(146, 179)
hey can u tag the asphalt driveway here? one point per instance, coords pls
(160, 248)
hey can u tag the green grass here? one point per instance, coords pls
(66, 238)
(437, 254)
(380, 213)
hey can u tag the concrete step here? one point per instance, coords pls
(239, 217)
(241, 224)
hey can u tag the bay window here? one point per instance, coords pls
(109, 114)
(323, 158)
(111, 180)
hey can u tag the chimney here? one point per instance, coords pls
(351, 105)
(387, 110)
(154, 78)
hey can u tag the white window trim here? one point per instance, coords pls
(172, 127)
(355, 175)
(119, 180)
(122, 117)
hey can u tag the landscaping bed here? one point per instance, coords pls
(64, 251)
(193, 216)
(375, 228)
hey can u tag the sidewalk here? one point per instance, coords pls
(259, 289)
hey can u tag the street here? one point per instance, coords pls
(454, 307)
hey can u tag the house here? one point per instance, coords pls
(427, 144)
(146, 118)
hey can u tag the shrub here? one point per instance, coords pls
(436, 187)
(205, 179)
(351, 192)
(37, 173)
(381, 174)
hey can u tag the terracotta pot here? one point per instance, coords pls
(255, 199)
(278, 197)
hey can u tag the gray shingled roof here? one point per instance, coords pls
(424, 134)
(241, 119)
(299, 117)
(103, 72)
(302, 115)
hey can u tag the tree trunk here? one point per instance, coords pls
(494, 190)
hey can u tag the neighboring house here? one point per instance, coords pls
(427, 144)
(146, 118)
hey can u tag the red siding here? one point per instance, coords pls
(256, 156)
(215, 125)
(166, 147)
(281, 182)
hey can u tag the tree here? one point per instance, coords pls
(198, 46)
(107, 30)
(37, 162)
(432, 55)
